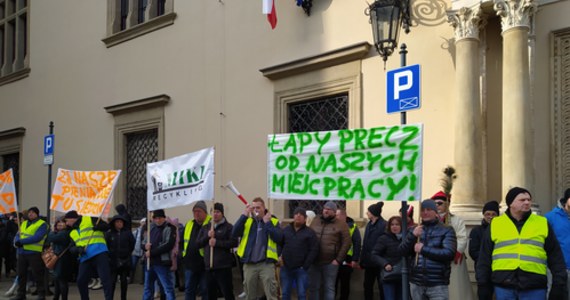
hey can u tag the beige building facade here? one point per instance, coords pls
(133, 81)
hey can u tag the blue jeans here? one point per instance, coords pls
(288, 277)
(193, 280)
(392, 290)
(512, 294)
(163, 274)
(438, 292)
(322, 276)
(99, 263)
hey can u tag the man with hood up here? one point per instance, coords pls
(121, 243)
(559, 220)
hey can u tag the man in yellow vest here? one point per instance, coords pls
(193, 256)
(89, 244)
(260, 234)
(30, 244)
(516, 251)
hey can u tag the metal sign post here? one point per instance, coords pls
(48, 160)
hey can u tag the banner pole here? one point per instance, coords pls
(148, 220)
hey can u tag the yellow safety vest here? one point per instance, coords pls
(188, 233)
(525, 250)
(271, 245)
(351, 230)
(86, 235)
(27, 232)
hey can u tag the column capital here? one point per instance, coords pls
(515, 13)
(466, 21)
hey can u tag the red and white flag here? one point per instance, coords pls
(269, 10)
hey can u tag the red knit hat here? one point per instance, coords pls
(441, 195)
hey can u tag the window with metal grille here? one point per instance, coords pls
(13, 37)
(141, 148)
(12, 161)
(320, 114)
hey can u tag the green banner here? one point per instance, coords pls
(383, 163)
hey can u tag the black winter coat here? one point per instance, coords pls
(223, 256)
(371, 235)
(121, 244)
(434, 263)
(300, 248)
(519, 279)
(475, 238)
(386, 251)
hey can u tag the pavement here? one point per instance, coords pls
(135, 291)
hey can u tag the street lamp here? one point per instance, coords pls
(386, 18)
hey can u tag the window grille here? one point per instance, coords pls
(142, 148)
(320, 114)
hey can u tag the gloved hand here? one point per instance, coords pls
(18, 244)
(458, 258)
(557, 292)
(77, 250)
(485, 292)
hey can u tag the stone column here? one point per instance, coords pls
(517, 135)
(468, 191)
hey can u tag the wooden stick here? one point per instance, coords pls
(148, 220)
(212, 247)
(419, 224)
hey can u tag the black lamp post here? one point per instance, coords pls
(386, 18)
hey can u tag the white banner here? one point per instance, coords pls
(87, 192)
(8, 201)
(181, 180)
(383, 163)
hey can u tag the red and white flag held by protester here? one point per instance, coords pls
(269, 10)
(8, 201)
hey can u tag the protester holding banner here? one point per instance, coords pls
(195, 270)
(30, 244)
(334, 241)
(375, 228)
(89, 244)
(60, 242)
(352, 256)
(121, 243)
(217, 242)
(433, 244)
(260, 235)
(158, 251)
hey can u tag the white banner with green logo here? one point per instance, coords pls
(181, 180)
(383, 163)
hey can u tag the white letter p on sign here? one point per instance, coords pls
(407, 75)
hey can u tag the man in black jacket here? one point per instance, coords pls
(516, 252)
(434, 246)
(121, 243)
(218, 243)
(300, 248)
(490, 210)
(159, 251)
(193, 256)
(374, 229)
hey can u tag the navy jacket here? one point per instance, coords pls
(268, 228)
(371, 234)
(434, 262)
(300, 248)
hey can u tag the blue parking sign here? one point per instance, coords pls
(48, 144)
(403, 89)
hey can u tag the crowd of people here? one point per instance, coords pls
(517, 254)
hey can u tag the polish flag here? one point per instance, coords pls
(269, 10)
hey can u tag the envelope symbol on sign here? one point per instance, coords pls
(409, 103)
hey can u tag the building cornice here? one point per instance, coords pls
(12, 133)
(136, 105)
(323, 60)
